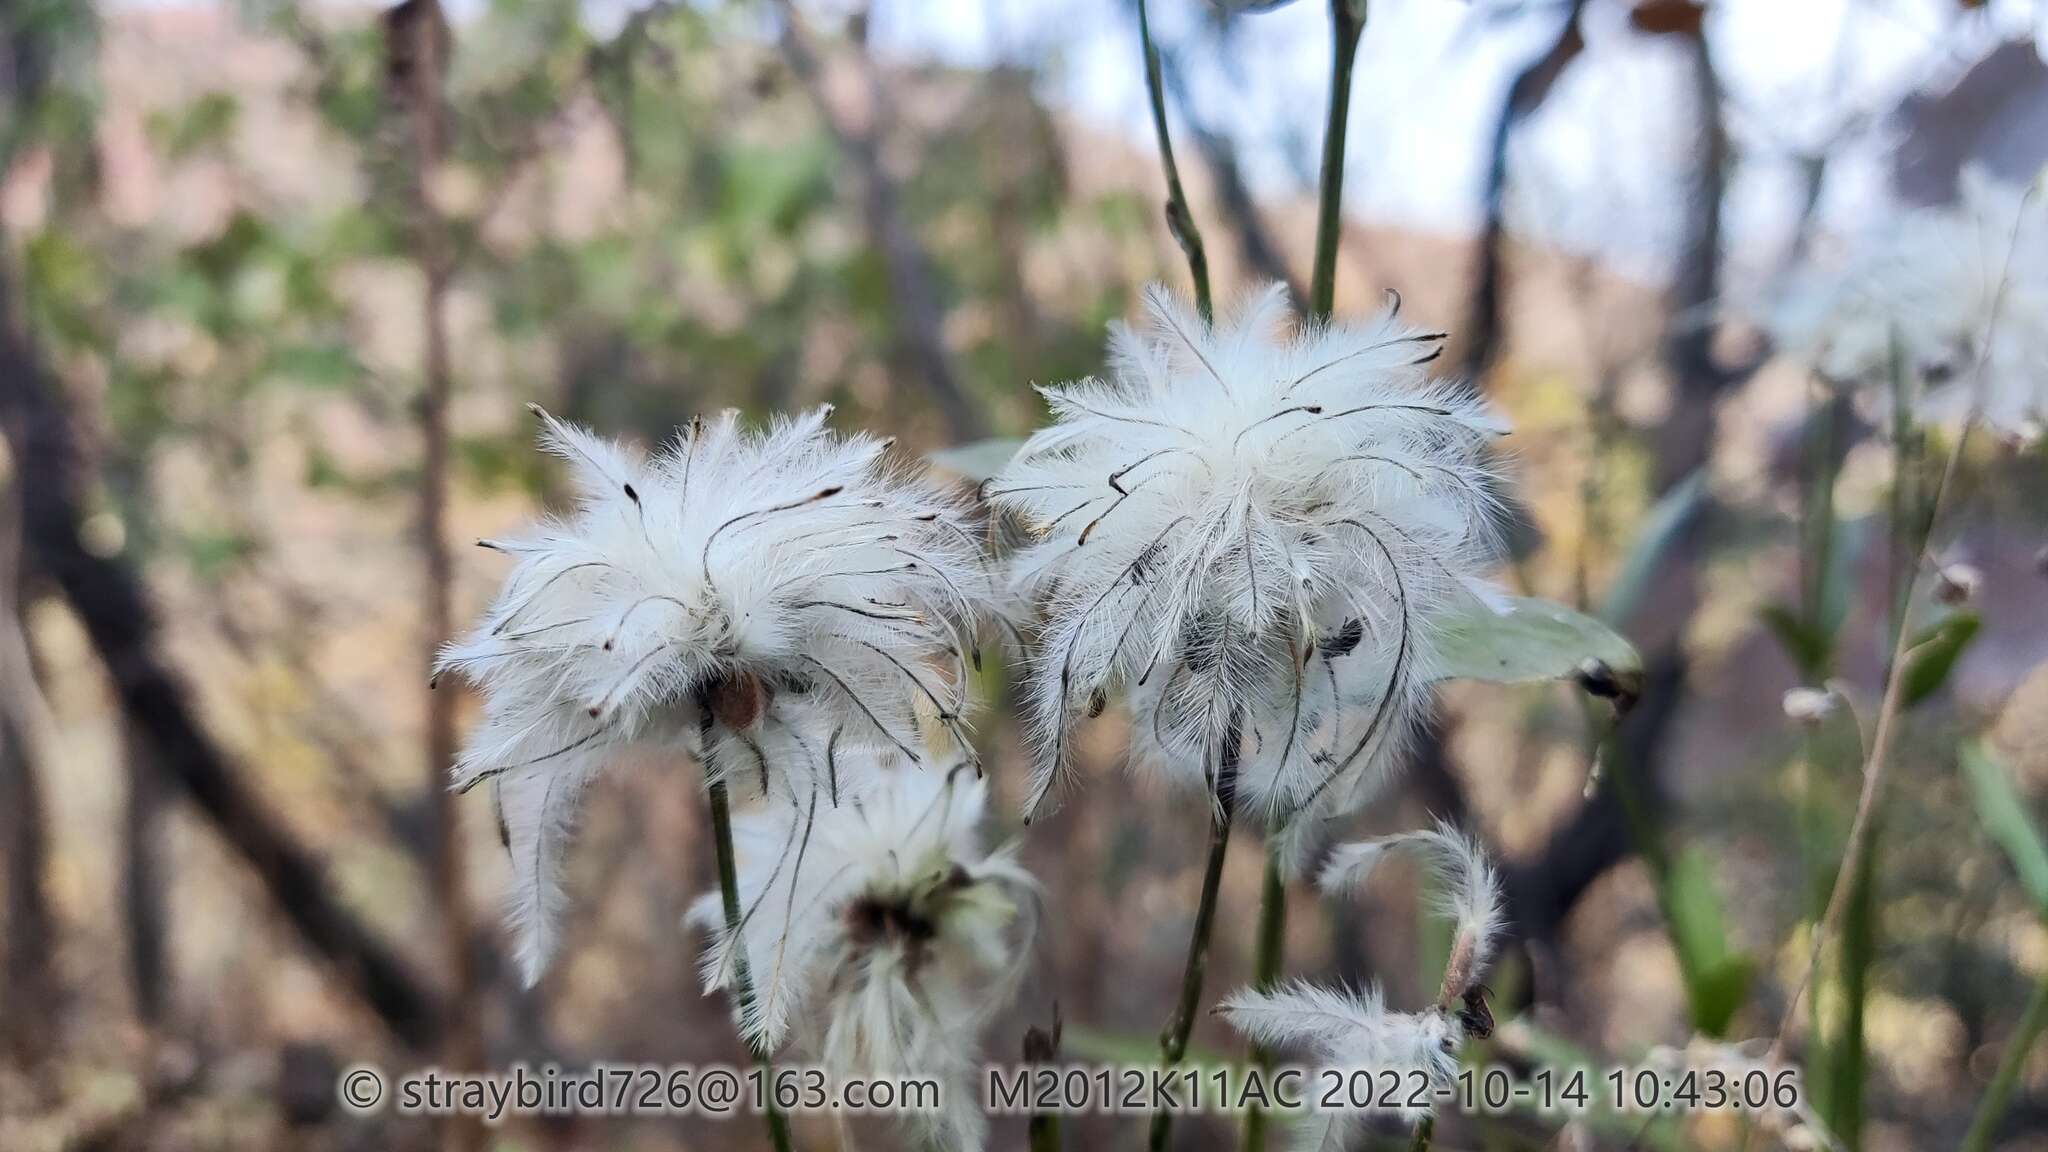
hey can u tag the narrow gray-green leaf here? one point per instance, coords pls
(2004, 816)
(1661, 529)
(1532, 640)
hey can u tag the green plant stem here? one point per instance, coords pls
(1347, 19)
(1179, 219)
(743, 981)
(1272, 944)
(1425, 1134)
(1347, 25)
(1173, 1041)
(1043, 1132)
(1992, 1108)
(1846, 1055)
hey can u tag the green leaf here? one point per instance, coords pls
(1661, 528)
(1716, 976)
(1807, 646)
(1533, 640)
(1933, 654)
(976, 461)
(2005, 818)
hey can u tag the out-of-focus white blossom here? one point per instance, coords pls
(879, 931)
(1961, 292)
(1809, 706)
(1252, 530)
(1347, 1030)
(1956, 584)
(786, 583)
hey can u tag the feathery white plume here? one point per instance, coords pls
(1466, 890)
(1357, 1030)
(1960, 289)
(882, 929)
(785, 582)
(1253, 531)
(1345, 1030)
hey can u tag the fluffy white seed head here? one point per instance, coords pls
(1252, 531)
(1958, 292)
(786, 583)
(879, 931)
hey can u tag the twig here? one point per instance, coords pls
(916, 315)
(742, 978)
(1173, 1042)
(1179, 220)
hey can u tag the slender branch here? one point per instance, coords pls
(1179, 220)
(2017, 1049)
(916, 314)
(1525, 94)
(417, 50)
(1173, 1042)
(1347, 23)
(743, 980)
(121, 623)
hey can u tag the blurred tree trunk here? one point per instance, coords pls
(1255, 246)
(109, 601)
(1545, 888)
(916, 316)
(1484, 322)
(1015, 119)
(27, 1023)
(144, 880)
(417, 46)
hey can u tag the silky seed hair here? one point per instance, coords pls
(880, 933)
(1344, 1029)
(766, 596)
(1250, 532)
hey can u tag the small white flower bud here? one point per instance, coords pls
(1957, 584)
(1809, 706)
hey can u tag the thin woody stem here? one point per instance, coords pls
(743, 981)
(1173, 1042)
(1179, 219)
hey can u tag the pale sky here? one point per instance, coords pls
(1594, 171)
